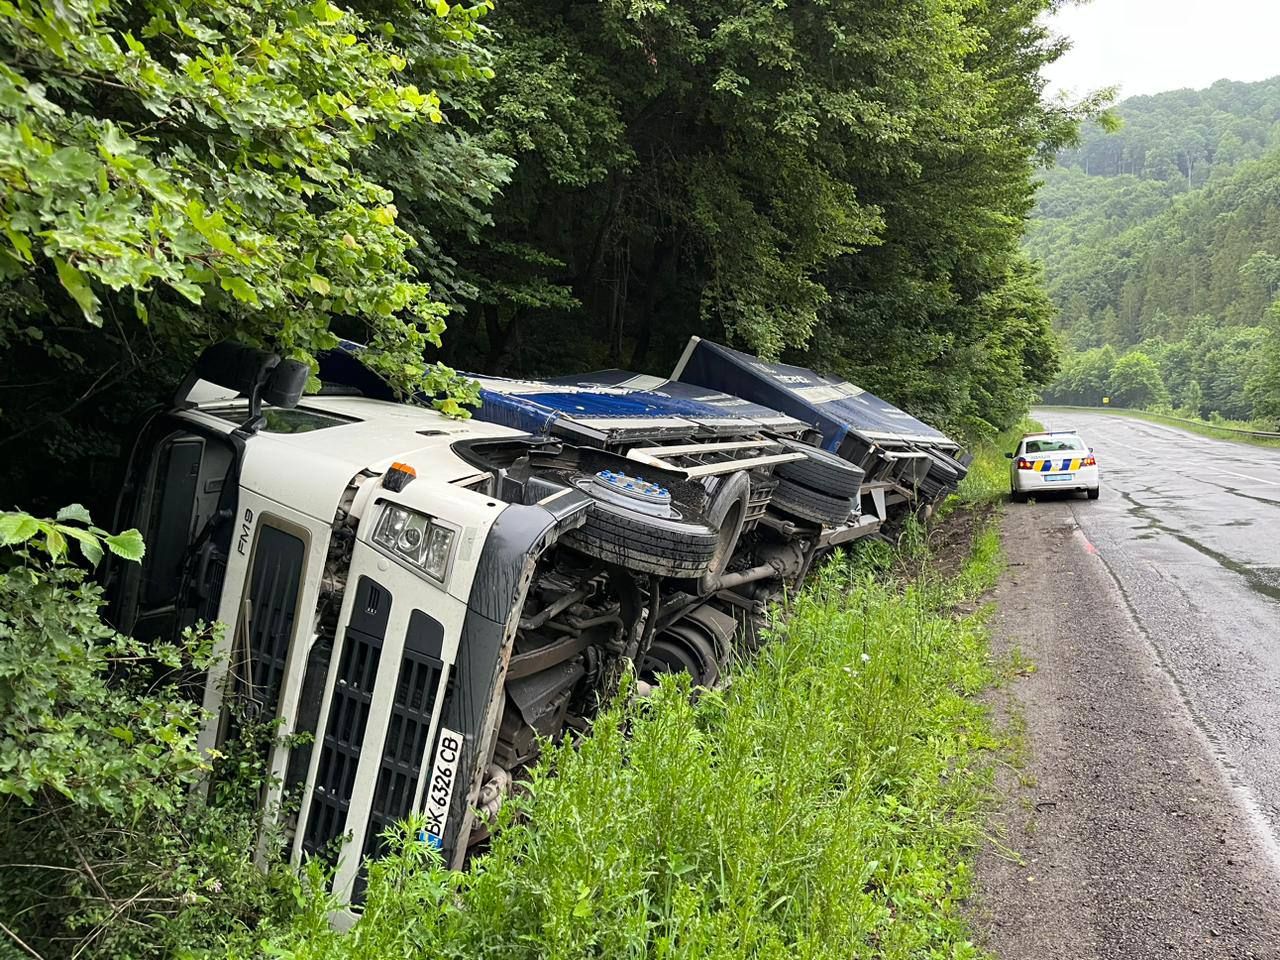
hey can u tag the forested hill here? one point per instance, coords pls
(1161, 249)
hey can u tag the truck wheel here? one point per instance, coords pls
(820, 470)
(811, 505)
(681, 649)
(669, 546)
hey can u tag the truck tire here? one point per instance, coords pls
(668, 547)
(811, 505)
(820, 470)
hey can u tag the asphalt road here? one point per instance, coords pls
(1190, 528)
(1146, 815)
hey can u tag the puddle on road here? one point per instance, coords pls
(1235, 492)
(1264, 581)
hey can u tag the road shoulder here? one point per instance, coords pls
(1119, 835)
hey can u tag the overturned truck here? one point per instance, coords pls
(417, 601)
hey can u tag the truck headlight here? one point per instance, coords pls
(415, 537)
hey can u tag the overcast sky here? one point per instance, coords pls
(1147, 46)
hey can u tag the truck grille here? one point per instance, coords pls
(273, 593)
(348, 714)
(417, 688)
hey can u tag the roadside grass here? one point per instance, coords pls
(1215, 430)
(827, 802)
(987, 482)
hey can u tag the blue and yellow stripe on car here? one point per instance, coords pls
(1048, 466)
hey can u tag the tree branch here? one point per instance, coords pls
(20, 942)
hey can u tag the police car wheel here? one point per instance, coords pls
(1018, 496)
(1094, 492)
(820, 470)
(811, 505)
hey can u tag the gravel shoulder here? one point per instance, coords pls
(1121, 835)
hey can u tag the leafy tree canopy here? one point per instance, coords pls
(843, 183)
(178, 173)
(1162, 237)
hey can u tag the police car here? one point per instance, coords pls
(1046, 462)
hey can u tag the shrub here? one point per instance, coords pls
(105, 848)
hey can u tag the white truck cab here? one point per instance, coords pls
(340, 541)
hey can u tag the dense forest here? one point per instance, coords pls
(563, 185)
(1161, 250)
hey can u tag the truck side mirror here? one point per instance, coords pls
(257, 374)
(235, 366)
(286, 383)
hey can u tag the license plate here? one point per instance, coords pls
(1053, 477)
(444, 773)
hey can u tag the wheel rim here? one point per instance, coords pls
(682, 649)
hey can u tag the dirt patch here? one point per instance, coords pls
(949, 543)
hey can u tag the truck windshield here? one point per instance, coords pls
(279, 420)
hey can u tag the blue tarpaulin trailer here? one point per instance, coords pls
(616, 407)
(715, 394)
(885, 441)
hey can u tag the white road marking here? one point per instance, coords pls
(1245, 476)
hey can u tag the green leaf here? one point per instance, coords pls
(117, 143)
(21, 245)
(77, 284)
(239, 289)
(74, 511)
(10, 266)
(17, 528)
(55, 543)
(90, 544)
(319, 284)
(191, 291)
(127, 544)
(90, 547)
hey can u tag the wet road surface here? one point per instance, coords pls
(1190, 528)
(1144, 818)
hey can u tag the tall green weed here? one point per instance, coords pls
(824, 804)
(106, 847)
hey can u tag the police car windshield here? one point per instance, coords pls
(1054, 444)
